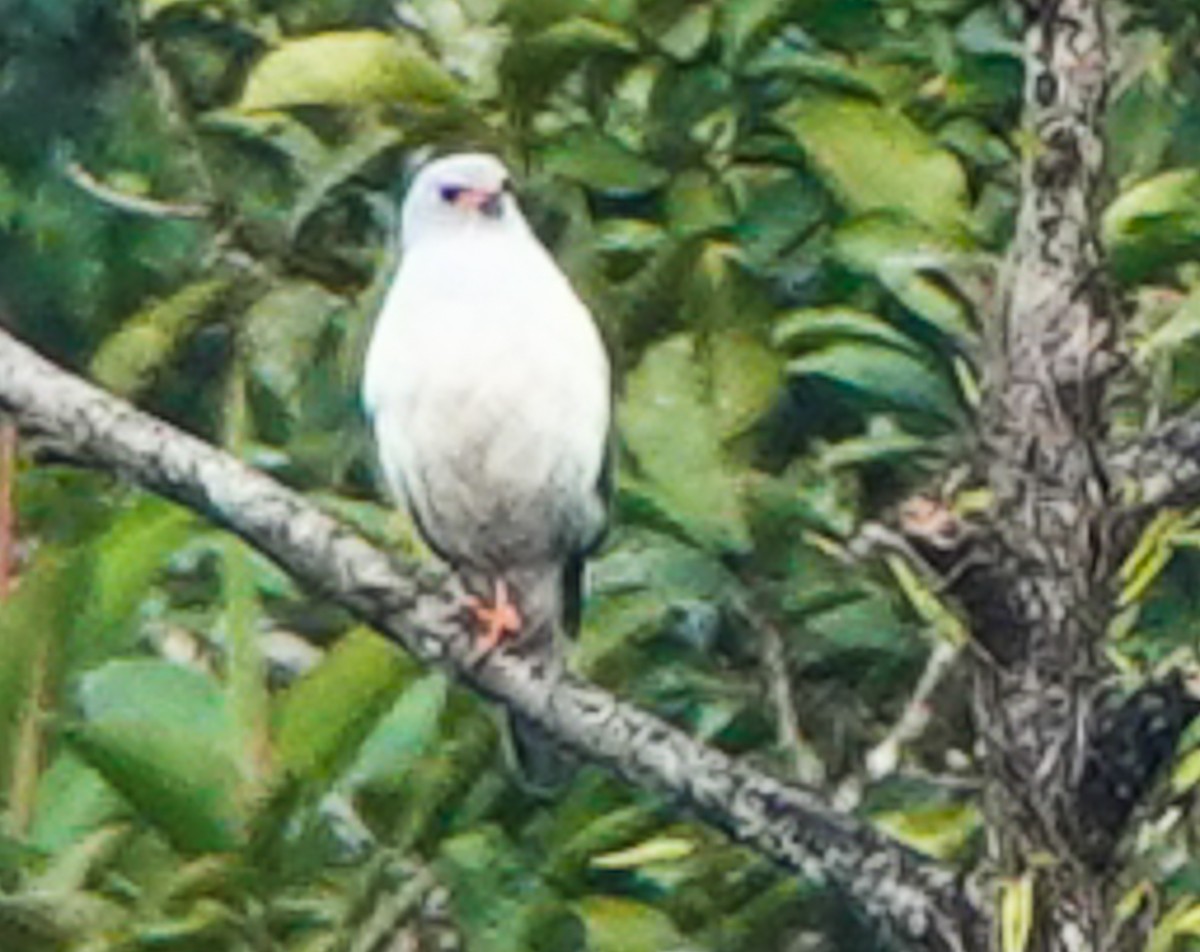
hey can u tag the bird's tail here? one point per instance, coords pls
(549, 604)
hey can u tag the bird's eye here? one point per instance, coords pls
(506, 186)
(450, 193)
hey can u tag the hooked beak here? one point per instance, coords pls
(481, 200)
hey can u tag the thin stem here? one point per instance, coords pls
(28, 752)
(131, 204)
(8, 528)
(246, 670)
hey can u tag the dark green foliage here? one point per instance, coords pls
(783, 212)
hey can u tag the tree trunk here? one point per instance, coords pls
(1037, 682)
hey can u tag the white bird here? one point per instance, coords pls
(489, 390)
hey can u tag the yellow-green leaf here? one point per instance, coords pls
(1187, 773)
(660, 849)
(622, 925)
(317, 730)
(877, 159)
(348, 69)
(128, 360)
(940, 831)
(1016, 913)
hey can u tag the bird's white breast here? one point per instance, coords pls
(489, 387)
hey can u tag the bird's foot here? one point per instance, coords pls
(499, 620)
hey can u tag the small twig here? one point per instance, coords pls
(131, 204)
(392, 911)
(883, 759)
(8, 528)
(805, 765)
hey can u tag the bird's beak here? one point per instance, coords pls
(481, 200)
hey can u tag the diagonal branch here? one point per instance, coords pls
(907, 895)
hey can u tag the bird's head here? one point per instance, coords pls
(469, 190)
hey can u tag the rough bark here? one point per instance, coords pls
(1161, 468)
(1043, 431)
(908, 896)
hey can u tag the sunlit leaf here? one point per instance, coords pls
(348, 69)
(747, 376)
(73, 800)
(1016, 913)
(402, 735)
(877, 159)
(940, 831)
(128, 557)
(672, 427)
(907, 258)
(162, 736)
(1153, 224)
(658, 850)
(622, 925)
(129, 359)
(686, 37)
(32, 622)
(317, 731)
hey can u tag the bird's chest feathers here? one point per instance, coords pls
(492, 339)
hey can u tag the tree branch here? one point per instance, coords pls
(1161, 468)
(909, 896)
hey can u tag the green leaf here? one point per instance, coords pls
(284, 330)
(742, 23)
(128, 360)
(622, 925)
(1153, 225)
(329, 170)
(155, 8)
(884, 442)
(809, 328)
(747, 376)
(349, 69)
(941, 831)
(73, 800)
(659, 849)
(1016, 913)
(686, 37)
(885, 377)
(34, 620)
(875, 159)
(904, 256)
(502, 905)
(402, 735)
(317, 731)
(162, 736)
(579, 36)
(697, 203)
(127, 558)
(1181, 327)
(587, 156)
(672, 427)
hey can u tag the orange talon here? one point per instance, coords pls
(500, 619)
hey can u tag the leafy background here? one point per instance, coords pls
(788, 215)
